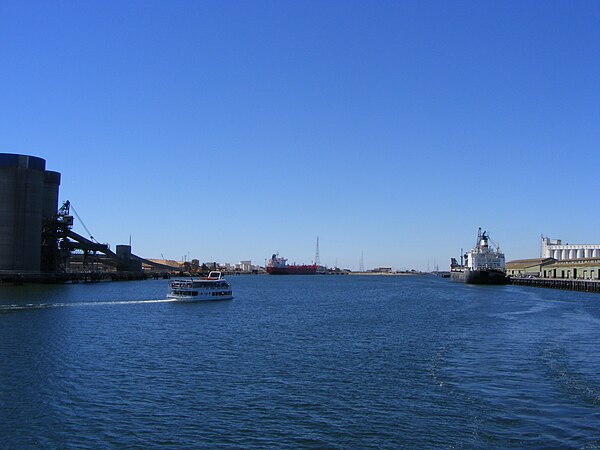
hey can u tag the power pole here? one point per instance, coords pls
(317, 258)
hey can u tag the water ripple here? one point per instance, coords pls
(307, 362)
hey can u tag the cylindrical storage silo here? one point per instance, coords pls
(50, 205)
(49, 261)
(21, 204)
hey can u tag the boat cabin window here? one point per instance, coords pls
(185, 293)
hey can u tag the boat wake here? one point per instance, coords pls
(75, 304)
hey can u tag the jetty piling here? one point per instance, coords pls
(580, 285)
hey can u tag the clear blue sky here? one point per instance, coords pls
(233, 129)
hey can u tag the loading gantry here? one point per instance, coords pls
(60, 243)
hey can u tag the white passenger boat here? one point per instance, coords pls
(212, 287)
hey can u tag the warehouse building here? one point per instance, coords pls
(573, 269)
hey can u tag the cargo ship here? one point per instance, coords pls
(484, 264)
(279, 266)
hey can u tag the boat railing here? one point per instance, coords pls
(214, 275)
(494, 266)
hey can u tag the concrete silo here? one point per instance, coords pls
(28, 194)
(50, 204)
(49, 262)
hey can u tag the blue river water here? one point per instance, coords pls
(300, 362)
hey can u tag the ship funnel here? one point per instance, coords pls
(484, 241)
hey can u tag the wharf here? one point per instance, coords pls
(18, 278)
(388, 274)
(558, 283)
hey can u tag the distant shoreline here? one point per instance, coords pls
(393, 274)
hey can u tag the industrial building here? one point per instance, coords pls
(574, 269)
(528, 267)
(560, 261)
(554, 248)
(28, 200)
(37, 242)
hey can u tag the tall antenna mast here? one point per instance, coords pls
(361, 266)
(317, 259)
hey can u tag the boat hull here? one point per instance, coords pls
(479, 276)
(189, 299)
(292, 270)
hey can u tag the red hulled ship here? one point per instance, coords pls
(279, 266)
